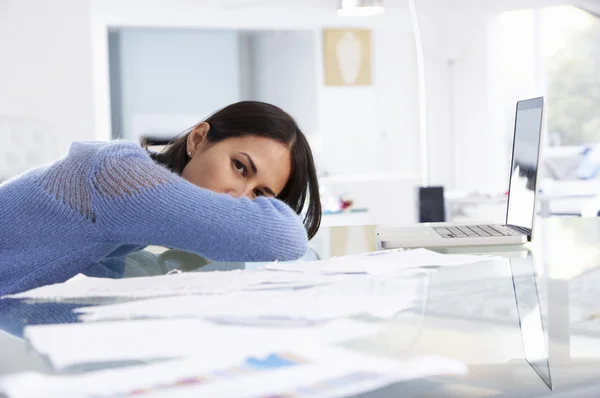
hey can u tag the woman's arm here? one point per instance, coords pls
(136, 201)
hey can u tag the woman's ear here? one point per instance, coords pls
(197, 138)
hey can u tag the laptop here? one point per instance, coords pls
(520, 211)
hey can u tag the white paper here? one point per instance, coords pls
(315, 370)
(77, 278)
(390, 262)
(376, 296)
(68, 345)
(169, 285)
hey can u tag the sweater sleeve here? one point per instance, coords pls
(137, 201)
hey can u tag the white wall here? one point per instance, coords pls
(46, 68)
(282, 71)
(177, 74)
(370, 134)
(374, 129)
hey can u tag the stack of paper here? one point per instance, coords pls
(389, 262)
(314, 371)
(373, 296)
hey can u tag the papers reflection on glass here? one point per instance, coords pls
(68, 346)
(307, 371)
(389, 262)
(535, 339)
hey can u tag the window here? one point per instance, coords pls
(571, 63)
(554, 51)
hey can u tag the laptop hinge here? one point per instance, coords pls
(522, 230)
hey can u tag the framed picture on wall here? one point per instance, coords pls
(347, 57)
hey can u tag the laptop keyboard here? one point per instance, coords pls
(469, 231)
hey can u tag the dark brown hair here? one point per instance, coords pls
(264, 120)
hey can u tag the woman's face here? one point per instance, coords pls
(241, 166)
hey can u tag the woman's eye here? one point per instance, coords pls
(258, 193)
(239, 166)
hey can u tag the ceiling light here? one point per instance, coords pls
(360, 8)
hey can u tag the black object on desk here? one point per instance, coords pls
(431, 204)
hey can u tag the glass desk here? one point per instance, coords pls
(479, 314)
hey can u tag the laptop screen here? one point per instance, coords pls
(524, 166)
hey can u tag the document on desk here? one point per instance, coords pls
(216, 282)
(388, 262)
(71, 345)
(377, 296)
(311, 370)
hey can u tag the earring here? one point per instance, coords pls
(189, 154)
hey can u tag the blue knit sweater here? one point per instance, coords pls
(105, 200)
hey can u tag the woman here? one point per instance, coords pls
(223, 190)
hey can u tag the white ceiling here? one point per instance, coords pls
(439, 7)
(328, 4)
